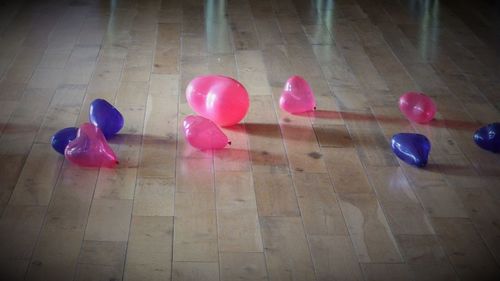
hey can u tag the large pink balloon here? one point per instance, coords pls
(297, 96)
(417, 107)
(203, 134)
(218, 98)
(90, 148)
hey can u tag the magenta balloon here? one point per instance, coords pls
(417, 107)
(90, 148)
(203, 134)
(218, 98)
(297, 96)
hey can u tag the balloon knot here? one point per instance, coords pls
(314, 108)
(229, 142)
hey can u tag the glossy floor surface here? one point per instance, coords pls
(311, 197)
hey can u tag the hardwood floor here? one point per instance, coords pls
(318, 196)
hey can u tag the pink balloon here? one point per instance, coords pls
(203, 134)
(297, 96)
(218, 98)
(90, 148)
(417, 107)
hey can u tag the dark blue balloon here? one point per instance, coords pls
(412, 148)
(488, 137)
(61, 139)
(106, 117)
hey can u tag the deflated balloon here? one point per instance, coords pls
(488, 137)
(203, 133)
(61, 139)
(417, 107)
(218, 98)
(297, 96)
(106, 117)
(411, 148)
(90, 148)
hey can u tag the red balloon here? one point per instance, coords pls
(90, 149)
(218, 98)
(203, 133)
(417, 107)
(297, 96)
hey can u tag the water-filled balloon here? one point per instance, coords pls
(218, 98)
(61, 139)
(90, 148)
(297, 96)
(488, 137)
(203, 134)
(412, 148)
(105, 116)
(417, 107)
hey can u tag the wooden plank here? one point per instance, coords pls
(19, 228)
(303, 151)
(237, 219)
(236, 156)
(159, 140)
(166, 60)
(62, 112)
(56, 255)
(438, 198)
(333, 136)
(286, 249)
(185, 271)
(465, 249)
(426, 257)
(334, 258)
(195, 237)
(483, 210)
(71, 199)
(318, 203)
(149, 249)
(252, 72)
(391, 185)
(346, 170)
(109, 220)
(264, 137)
(101, 260)
(374, 272)
(275, 195)
(154, 197)
(363, 215)
(242, 266)
(195, 175)
(38, 178)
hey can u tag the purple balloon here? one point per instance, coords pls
(62, 138)
(411, 148)
(488, 137)
(106, 117)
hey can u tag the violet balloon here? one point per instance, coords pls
(417, 107)
(62, 138)
(203, 133)
(90, 149)
(218, 98)
(297, 96)
(105, 116)
(411, 148)
(488, 137)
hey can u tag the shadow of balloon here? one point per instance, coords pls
(13, 128)
(449, 169)
(356, 116)
(256, 157)
(294, 132)
(137, 139)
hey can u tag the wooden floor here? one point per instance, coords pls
(311, 197)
